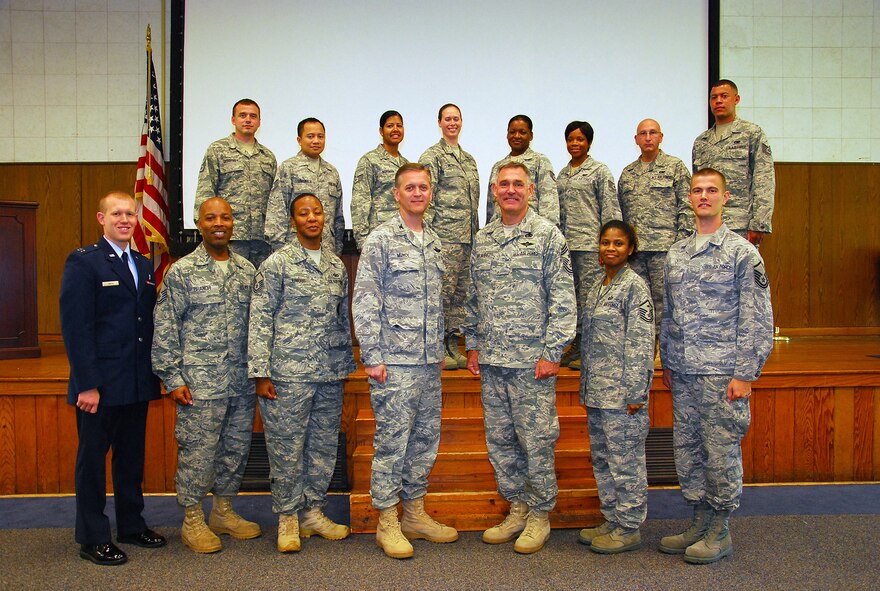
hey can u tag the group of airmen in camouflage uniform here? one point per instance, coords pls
(554, 264)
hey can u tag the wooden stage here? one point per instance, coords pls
(815, 418)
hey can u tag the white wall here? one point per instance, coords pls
(808, 72)
(73, 78)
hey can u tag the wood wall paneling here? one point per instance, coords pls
(67, 444)
(783, 434)
(25, 444)
(761, 431)
(67, 195)
(48, 475)
(785, 250)
(7, 445)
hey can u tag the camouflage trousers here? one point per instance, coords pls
(519, 417)
(407, 411)
(587, 272)
(617, 448)
(256, 251)
(649, 265)
(706, 439)
(302, 435)
(456, 279)
(213, 442)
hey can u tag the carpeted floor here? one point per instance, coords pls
(785, 537)
(775, 552)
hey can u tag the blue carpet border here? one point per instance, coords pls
(163, 511)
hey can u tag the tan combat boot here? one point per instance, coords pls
(224, 520)
(715, 545)
(313, 521)
(389, 537)
(454, 352)
(617, 540)
(195, 533)
(536, 533)
(588, 534)
(288, 533)
(418, 525)
(511, 527)
(678, 543)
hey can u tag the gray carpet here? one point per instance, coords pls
(771, 552)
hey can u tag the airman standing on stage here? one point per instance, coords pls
(520, 317)
(455, 219)
(200, 352)
(740, 151)
(587, 200)
(716, 334)
(372, 196)
(306, 172)
(398, 319)
(653, 194)
(240, 169)
(546, 199)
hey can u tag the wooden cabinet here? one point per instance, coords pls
(18, 280)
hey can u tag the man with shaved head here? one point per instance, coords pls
(653, 194)
(200, 352)
(107, 297)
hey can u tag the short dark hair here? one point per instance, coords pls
(245, 101)
(446, 106)
(626, 229)
(724, 82)
(388, 115)
(524, 118)
(297, 198)
(585, 128)
(711, 172)
(411, 167)
(301, 124)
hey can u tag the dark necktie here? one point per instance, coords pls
(127, 266)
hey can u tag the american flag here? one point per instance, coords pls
(149, 189)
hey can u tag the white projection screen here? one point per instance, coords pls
(345, 62)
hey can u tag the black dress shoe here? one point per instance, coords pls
(103, 554)
(146, 539)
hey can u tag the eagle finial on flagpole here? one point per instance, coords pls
(149, 40)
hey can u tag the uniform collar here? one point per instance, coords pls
(715, 239)
(524, 228)
(118, 251)
(401, 229)
(232, 143)
(297, 253)
(203, 259)
(302, 158)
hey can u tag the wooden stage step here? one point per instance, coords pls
(462, 489)
(464, 468)
(477, 511)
